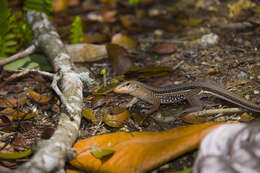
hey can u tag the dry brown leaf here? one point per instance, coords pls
(164, 48)
(94, 38)
(123, 41)
(59, 5)
(38, 97)
(139, 151)
(87, 52)
(121, 61)
(193, 119)
(11, 102)
(108, 15)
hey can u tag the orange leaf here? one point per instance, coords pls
(71, 171)
(38, 97)
(139, 151)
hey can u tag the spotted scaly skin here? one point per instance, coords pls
(179, 93)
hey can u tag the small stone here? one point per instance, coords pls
(258, 77)
(256, 91)
(242, 75)
(158, 32)
(177, 82)
(247, 97)
(209, 40)
(153, 12)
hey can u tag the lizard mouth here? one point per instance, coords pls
(116, 90)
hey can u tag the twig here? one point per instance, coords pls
(206, 113)
(19, 55)
(216, 111)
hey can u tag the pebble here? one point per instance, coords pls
(209, 40)
(158, 32)
(256, 91)
(177, 82)
(242, 75)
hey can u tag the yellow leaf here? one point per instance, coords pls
(88, 114)
(100, 153)
(238, 6)
(16, 155)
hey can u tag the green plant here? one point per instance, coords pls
(39, 5)
(133, 2)
(22, 30)
(7, 42)
(103, 72)
(14, 30)
(76, 35)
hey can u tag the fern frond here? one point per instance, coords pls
(39, 5)
(76, 31)
(14, 32)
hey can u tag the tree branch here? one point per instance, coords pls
(51, 154)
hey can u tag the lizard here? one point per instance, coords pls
(180, 93)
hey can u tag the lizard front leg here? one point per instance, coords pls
(132, 102)
(155, 106)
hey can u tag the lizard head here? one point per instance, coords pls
(127, 87)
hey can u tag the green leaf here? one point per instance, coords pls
(10, 43)
(134, 2)
(10, 50)
(4, 14)
(44, 6)
(185, 170)
(103, 71)
(31, 61)
(16, 155)
(9, 36)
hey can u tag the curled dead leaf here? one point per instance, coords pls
(88, 114)
(117, 119)
(120, 59)
(123, 41)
